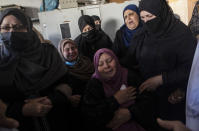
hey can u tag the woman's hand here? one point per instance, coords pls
(37, 107)
(177, 96)
(151, 84)
(65, 89)
(121, 116)
(172, 125)
(75, 99)
(125, 95)
(6, 121)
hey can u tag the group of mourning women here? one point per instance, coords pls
(92, 83)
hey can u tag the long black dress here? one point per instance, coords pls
(168, 52)
(119, 47)
(29, 69)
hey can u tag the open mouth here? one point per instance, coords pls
(109, 71)
(131, 22)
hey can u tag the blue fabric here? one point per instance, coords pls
(133, 8)
(127, 33)
(49, 5)
(70, 63)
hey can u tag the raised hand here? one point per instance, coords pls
(172, 125)
(125, 95)
(121, 116)
(151, 84)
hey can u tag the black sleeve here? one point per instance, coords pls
(57, 98)
(14, 110)
(109, 41)
(143, 111)
(134, 78)
(97, 110)
(184, 57)
(116, 43)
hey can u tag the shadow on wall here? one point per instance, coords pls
(110, 28)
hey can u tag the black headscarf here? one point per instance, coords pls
(32, 69)
(85, 20)
(89, 42)
(177, 37)
(95, 17)
(168, 52)
(162, 11)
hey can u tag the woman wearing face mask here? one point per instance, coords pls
(97, 22)
(125, 34)
(110, 102)
(32, 75)
(163, 51)
(90, 39)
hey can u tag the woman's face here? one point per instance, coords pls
(146, 16)
(131, 19)
(87, 28)
(97, 22)
(11, 24)
(107, 66)
(70, 52)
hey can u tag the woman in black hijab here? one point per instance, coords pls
(97, 22)
(90, 39)
(31, 76)
(163, 52)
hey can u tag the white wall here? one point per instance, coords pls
(180, 7)
(111, 15)
(30, 4)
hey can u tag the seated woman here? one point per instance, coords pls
(32, 75)
(90, 39)
(80, 67)
(110, 101)
(126, 32)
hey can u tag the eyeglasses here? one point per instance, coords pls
(7, 28)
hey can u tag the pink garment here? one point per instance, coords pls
(130, 126)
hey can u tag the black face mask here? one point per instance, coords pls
(98, 27)
(16, 40)
(89, 34)
(153, 25)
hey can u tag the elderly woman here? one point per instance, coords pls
(163, 51)
(110, 101)
(90, 39)
(125, 34)
(32, 75)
